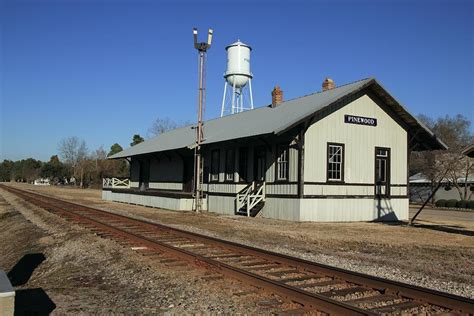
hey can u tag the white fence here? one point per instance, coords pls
(116, 183)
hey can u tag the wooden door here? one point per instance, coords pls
(382, 172)
(188, 174)
(144, 174)
(260, 164)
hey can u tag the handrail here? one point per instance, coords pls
(250, 196)
(242, 197)
(254, 199)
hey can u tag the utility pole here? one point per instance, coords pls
(197, 188)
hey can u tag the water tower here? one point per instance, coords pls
(237, 76)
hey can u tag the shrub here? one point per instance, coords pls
(470, 205)
(451, 203)
(461, 204)
(441, 203)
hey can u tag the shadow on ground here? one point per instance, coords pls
(29, 301)
(22, 271)
(33, 302)
(452, 229)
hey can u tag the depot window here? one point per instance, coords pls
(335, 162)
(215, 155)
(282, 162)
(229, 164)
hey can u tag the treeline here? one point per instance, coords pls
(77, 166)
(24, 170)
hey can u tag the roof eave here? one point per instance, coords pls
(435, 142)
(291, 125)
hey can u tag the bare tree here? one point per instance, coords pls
(163, 125)
(449, 165)
(74, 152)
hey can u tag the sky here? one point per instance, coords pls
(105, 70)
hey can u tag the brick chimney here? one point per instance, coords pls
(277, 96)
(328, 84)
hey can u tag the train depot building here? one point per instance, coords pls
(336, 155)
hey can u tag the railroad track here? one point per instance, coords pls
(316, 287)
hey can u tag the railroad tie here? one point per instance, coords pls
(301, 278)
(263, 267)
(372, 299)
(396, 307)
(344, 292)
(282, 272)
(324, 283)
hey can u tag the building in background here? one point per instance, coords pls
(421, 188)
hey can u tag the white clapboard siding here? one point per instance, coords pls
(346, 210)
(173, 186)
(221, 204)
(360, 142)
(180, 204)
(225, 187)
(286, 209)
(283, 189)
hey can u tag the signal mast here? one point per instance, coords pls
(197, 188)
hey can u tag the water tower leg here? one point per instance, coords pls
(251, 95)
(233, 97)
(223, 98)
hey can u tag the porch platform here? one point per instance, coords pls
(167, 199)
(153, 192)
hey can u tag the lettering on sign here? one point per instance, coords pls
(352, 119)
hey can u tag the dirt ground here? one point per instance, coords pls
(61, 268)
(444, 216)
(437, 253)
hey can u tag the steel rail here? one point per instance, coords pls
(419, 294)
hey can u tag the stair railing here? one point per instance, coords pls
(255, 198)
(242, 195)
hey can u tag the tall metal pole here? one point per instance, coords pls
(202, 48)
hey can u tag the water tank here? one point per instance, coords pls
(238, 64)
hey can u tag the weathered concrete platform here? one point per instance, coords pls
(7, 295)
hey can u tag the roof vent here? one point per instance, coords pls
(328, 84)
(277, 96)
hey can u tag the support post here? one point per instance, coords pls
(223, 98)
(410, 223)
(251, 95)
(301, 163)
(233, 98)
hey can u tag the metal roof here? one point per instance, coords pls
(238, 43)
(469, 151)
(268, 120)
